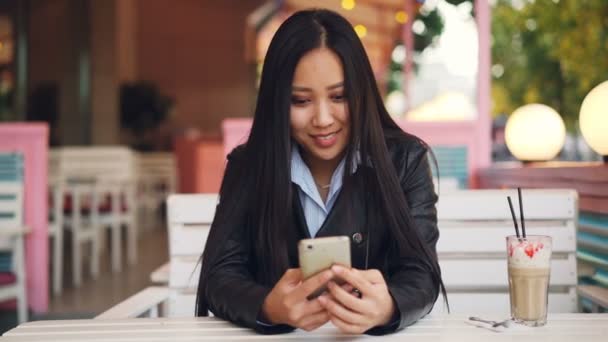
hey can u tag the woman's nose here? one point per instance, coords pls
(323, 115)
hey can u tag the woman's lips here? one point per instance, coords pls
(326, 140)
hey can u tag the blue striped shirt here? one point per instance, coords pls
(315, 210)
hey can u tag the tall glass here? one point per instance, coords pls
(529, 261)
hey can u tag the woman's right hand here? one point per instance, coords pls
(287, 303)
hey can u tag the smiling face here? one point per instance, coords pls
(319, 116)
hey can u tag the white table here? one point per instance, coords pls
(561, 327)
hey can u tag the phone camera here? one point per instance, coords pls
(309, 246)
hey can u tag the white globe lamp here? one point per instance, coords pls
(593, 119)
(535, 132)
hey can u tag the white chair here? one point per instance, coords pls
(55, 230)
(446, 184)
(82, 219)
(73, 203)
(111, 172)
(189, 219)
(157, 178)
(160, 276)
(473, 225)
(122, 213)
(12, 232)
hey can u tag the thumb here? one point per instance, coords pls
(292, 276)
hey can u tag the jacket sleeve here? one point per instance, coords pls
(231, 290)
(410, 282)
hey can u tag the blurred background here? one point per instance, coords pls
(141, 72)
(159, 91)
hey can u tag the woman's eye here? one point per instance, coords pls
(338, 98)
(297, 101)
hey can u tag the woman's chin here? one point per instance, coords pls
(326, 155)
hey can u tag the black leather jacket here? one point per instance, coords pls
(234, 293)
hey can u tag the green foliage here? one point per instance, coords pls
(434, 26)
(552, 51)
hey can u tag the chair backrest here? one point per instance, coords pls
(11, 190)
(11, 167)
(11, 202)
(158, 167)
(472, 248)
(593, 261)
(453, 164)
(189, 219)
(156, 176)
(106, 163)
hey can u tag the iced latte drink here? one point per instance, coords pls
(529, 262)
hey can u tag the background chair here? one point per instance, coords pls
(156, 179)
(12, 232)
(109, 174)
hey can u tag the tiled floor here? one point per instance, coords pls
(96, 296)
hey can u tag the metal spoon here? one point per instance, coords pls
(494, 324)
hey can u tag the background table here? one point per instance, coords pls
(561, 327)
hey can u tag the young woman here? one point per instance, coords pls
(323, 158)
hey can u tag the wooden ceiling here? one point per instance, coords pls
(378, 17)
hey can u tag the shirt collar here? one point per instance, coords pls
(300, 173)
(301, 176)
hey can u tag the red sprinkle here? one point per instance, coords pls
(529, 250)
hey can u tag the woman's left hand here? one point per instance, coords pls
(355, 315)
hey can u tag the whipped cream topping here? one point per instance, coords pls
(529, 254)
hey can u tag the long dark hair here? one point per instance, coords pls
(261, 183)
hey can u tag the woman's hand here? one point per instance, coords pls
(355, 315)
(287, 303)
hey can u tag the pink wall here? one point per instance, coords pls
(30, 139)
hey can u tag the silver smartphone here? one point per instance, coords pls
(317, 255)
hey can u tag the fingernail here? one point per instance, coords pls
(337, 268)
(322, 299)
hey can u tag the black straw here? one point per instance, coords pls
(513, 215)
(521, 214)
